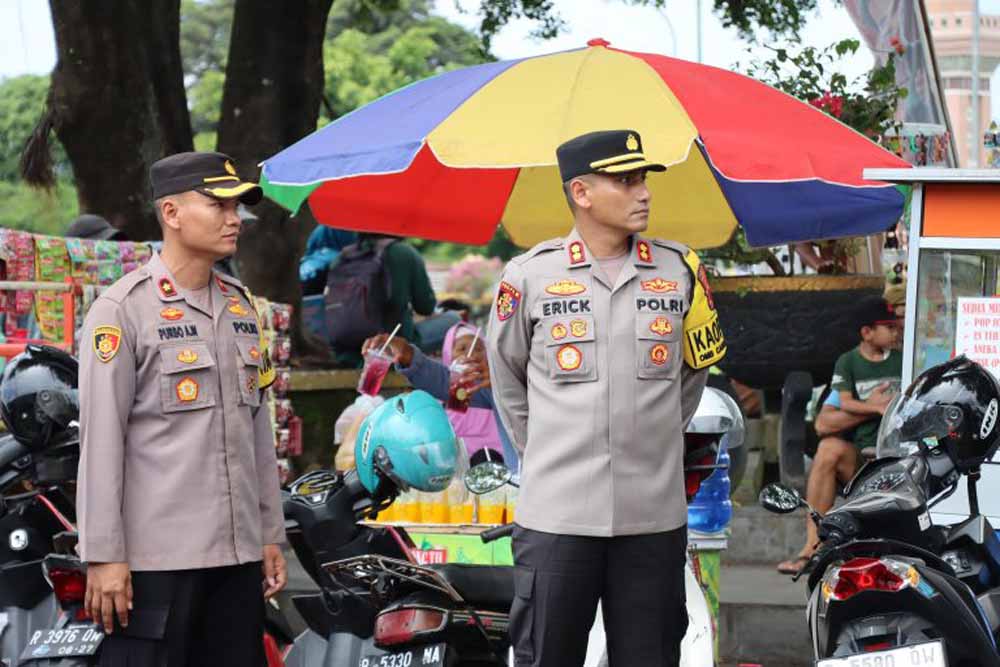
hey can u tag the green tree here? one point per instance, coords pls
(22, 101)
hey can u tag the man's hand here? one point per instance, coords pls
(881, 397)
(399, 348)
(275, 570)
(109, 591)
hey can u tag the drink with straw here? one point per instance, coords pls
(377, 364)
(458, 389)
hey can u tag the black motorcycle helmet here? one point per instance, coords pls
(953, 406)
(38, 396)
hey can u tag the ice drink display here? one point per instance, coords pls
(376, 368)
(458, 391)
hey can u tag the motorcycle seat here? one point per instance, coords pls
(489, 586)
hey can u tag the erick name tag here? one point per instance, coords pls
(565, 307)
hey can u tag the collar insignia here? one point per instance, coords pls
(167, 288)
(576, 253)
(643, 251)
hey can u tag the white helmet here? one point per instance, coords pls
(718, 414)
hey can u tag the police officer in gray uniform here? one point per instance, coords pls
(178, 502)
(599, 348)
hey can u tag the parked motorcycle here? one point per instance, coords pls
(886, 586)
(378, 607)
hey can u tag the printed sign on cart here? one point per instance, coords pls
(977, 331)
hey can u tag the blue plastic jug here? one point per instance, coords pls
(711, 509)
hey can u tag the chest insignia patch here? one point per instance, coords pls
(566, 288)
(238, 310)
(643, 251)
(187, 390)
(569, 357)
(187, 356)
(172, 314)
(167, 288)
(578, 328)
(107, 341)
(559, 331)
(576, 253)
(508, 299)
(659, 354)
(659, 286)
(661, 326)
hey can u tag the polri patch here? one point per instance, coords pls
(508, 299)
(566, 288)
(659, 304)
(107, 341)
(659, 354)
(172, 314)
(569, 358)
(659, 286)
(187, 390)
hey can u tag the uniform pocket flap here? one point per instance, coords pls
(569, 329)
(249, 352)
(188, 357)
(652, 326)
(524, 582)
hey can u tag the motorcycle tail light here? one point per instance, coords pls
(400, 626)
(868, 574)
(68, 585)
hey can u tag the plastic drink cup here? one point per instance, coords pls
(458, 391)
(492, 507)
(373, 374)
(438, 506)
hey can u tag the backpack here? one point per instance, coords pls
(356, 298)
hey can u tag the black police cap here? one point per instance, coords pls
(211, 174)
(607, 152)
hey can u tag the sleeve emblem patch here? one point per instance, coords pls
(507, 301)
(566, 288)
(107, 341)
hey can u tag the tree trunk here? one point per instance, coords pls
(117, 102)
(271, 99)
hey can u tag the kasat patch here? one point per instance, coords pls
(107, 341)
(578, 328)
(569, 357)
(172, 314)
(659, 286)
(508, 299)
(187, 390)
(659, 354)
(566, 288)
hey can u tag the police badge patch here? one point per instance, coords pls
(107, 340)
(508, 299)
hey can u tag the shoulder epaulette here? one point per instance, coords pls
(538, 249)
(124, 285)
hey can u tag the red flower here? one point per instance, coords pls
(897, 45)
(831, 104)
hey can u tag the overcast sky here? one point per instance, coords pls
(27, 44)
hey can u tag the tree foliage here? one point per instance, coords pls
(22, 101)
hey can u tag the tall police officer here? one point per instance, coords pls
(599, 345)
(179, 512)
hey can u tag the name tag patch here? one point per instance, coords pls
(566, 307)
(178, 331)
(646, 304)
(245, 327)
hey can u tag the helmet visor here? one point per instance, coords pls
(430, 466)
(909, 423)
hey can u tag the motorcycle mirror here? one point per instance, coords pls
(780, 499)
(485, 477)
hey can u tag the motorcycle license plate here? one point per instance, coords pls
(420, 656)
(930, 654)
(71, 641)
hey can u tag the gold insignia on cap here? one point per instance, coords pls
(632, 143)
(230, 169)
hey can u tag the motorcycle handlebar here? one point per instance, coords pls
(491, 534)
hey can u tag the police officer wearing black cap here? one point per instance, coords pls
(178, 502)
(599, 349)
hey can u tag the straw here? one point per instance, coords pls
(389, 339)
(473, 346)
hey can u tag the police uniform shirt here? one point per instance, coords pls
(177, 469)
(595, 382)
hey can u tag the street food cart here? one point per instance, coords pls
(953, 290)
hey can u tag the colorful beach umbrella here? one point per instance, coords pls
(452, 156)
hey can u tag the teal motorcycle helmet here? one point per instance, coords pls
(407, 442)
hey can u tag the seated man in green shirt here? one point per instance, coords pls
(865, 379)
